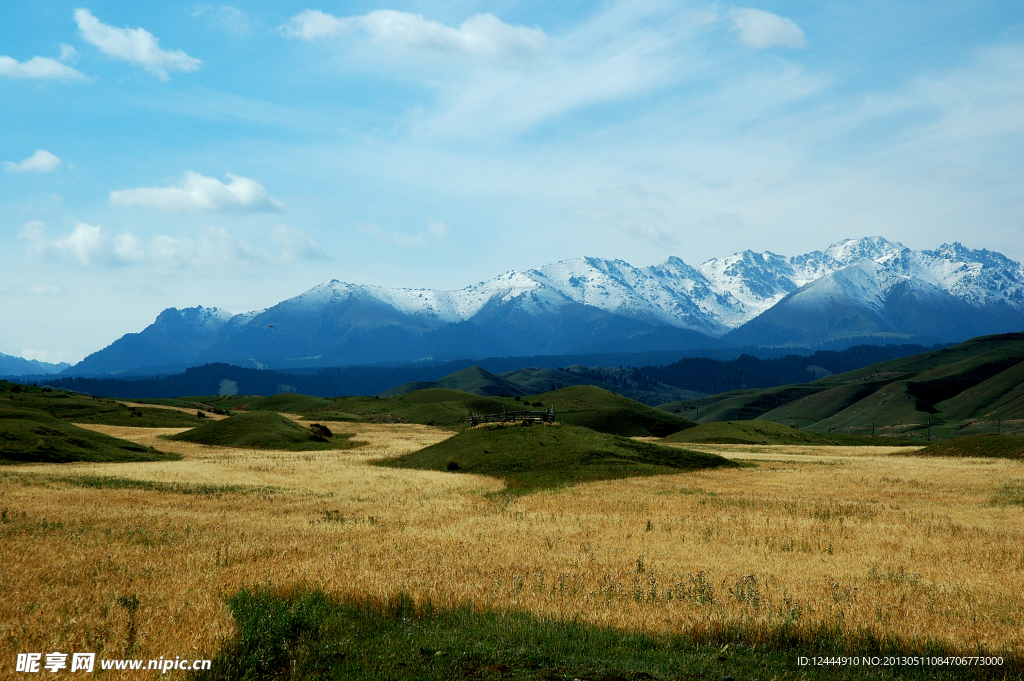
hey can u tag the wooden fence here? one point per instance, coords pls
(520, 416)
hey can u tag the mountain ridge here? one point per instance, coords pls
(591, 304)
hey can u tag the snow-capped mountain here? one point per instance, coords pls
(858, 287)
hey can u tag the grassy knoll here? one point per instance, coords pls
(305, 634)
(982, 446)
(536, 457)
(767, 433)
(77, 408)
(31, 436)
(263, 430)
(607, 412)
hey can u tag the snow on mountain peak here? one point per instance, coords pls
(718, 295)
(874, 248)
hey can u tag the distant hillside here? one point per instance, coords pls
(980, 380)
(12, 366)
(583, 405)
(681, 379)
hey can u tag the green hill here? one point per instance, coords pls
(542, 456)
(31, 436)
(262, 430)
(78, 408)
(534, 381)
(607, 412)
(980, 380)
(766, 433)
(471, 380)
(982, 446)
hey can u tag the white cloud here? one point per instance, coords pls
(87, 244)
(38, 68)
(760, 29)
(41, 162)
(196, 193)
(482, 35)
(135, 45)
(296, 244)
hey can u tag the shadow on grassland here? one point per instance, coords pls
(305, 634)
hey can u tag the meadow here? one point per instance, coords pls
(846, 548)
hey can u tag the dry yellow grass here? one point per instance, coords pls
(895, 545)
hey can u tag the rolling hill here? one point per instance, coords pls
(979, 380)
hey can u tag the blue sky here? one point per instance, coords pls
(181, 154)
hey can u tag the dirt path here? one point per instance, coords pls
(209, 415)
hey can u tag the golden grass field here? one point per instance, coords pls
(914, 548)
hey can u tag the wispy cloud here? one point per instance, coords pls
(760, 29)
(480, 36)
(296, 244)
(198, 193)
(39, 68)
(40, 162)
(630, 50)
(212, 249)
(394, 238)
(68, 54)
(232, 18)
(436, 231)
(134, 45)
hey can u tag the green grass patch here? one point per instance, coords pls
(264, 430)
(116, 482)
(768, 433)
(535, 457)
(30, 436)
(983, 446)
(304, 634)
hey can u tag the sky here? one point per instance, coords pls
(177, 154)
